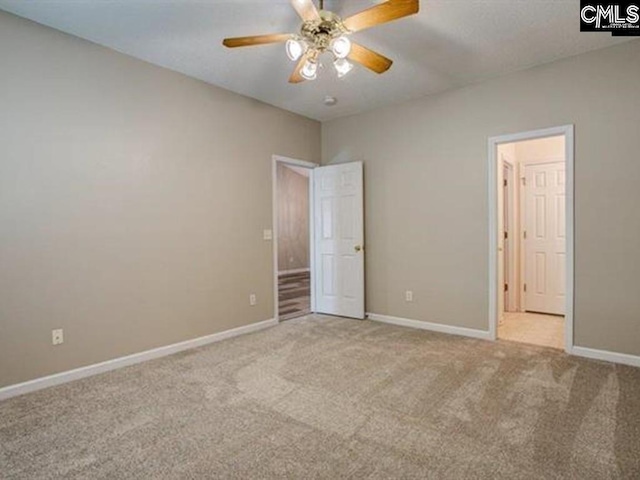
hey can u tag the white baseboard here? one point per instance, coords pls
(89, 370)
(435, 327)
(605, 355)
(295, 270)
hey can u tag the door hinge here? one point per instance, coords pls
(506, 287)
(525, 287)
(504, 182)
(524, 181)
(524, 234)
(506, 235)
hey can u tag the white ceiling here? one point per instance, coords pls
(450, 43)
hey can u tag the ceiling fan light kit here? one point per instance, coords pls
(295, 49)
(323, 31)
(309, 70)
(341, 46)
(342, 66)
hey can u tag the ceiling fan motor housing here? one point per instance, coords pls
(321, 32)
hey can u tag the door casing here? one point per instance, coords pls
(512, 240)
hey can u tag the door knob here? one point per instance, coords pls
(358, 248)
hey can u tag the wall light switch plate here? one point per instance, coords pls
(253, 299)
(408, 296)
(267, 234)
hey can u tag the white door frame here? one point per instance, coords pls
(275, 159)
(493, 142)
(511, 257)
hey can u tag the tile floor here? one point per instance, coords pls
(533, 328)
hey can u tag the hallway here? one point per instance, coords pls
(533, 328)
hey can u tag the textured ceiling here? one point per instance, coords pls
(450, 43)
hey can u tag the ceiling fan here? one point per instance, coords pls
(324, 31)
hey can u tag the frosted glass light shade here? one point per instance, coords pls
(341, 47)
(342, 66)
(295, 48)
(309, 70)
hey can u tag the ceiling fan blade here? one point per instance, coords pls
(295, 76)
(256, 40)
(306, 9)
(385, 12)
(370, 59)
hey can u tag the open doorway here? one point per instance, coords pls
(318, 248)
(532, 237)
(293, 239)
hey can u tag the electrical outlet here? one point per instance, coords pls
(408, 296)
(253, 299)
(267, 235)
(57, 336)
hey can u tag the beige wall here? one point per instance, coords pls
(132, 202)
(427, 199)
(293, 219)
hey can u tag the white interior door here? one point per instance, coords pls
(545, 238)
(339, 240)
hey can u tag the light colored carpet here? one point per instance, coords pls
(323, 397)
